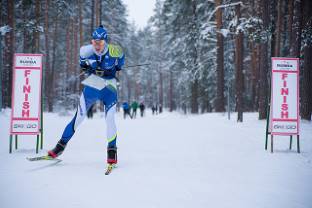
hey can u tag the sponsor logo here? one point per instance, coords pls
(284, 65)
(278, 126)
(23, 126)
(28, 62)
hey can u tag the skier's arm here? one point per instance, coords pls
(85, 52)
(85, 67)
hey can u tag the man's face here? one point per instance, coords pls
(98, 45)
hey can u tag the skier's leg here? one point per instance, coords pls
(110, 100)
(111, 132)
(129, 114)
(87, 99)
(111, 135)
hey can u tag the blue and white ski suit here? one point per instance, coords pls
(108, 63)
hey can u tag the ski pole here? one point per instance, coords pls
(130, 66)
(137, 65)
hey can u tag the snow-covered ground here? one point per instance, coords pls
(165, 161)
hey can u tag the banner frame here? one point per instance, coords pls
(40, 105)
(270, 106)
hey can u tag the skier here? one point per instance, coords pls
(134, 107)
(160, 108)
(142, 108)
(103, 60)
(155, 109)
(126, 109)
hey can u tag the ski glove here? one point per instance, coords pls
(86, 69)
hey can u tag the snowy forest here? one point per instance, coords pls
(203, 55)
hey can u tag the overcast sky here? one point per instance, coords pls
(140, 11)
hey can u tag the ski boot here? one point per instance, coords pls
(58, 149)
(112, 155)
(111, 159)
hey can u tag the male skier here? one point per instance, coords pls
(103, 60)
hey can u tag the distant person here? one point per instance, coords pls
(154, 109)
(142, 108)
(160, 108)
(134, 107)
(126, 109)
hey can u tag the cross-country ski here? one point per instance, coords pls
(46, 157)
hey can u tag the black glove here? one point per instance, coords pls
(86, 69)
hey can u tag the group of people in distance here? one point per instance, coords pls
(131, 110)
(156, 109)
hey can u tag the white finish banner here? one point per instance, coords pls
(284, 115)
(26, 94)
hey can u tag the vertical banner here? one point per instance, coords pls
(26, 94)
(284, 118)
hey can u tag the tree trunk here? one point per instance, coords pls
(52, 77)
(278, 29)
(220, 62)
(25, 32)
(296, 29)
(100, 12)
(194, 97)
(68, 55)
(254, 67)
(80, 5)
(37, 33)
(272, 18)
(194, 48)
(71, 53)
(255, 74)
(161, 89)
(76, 54)
(8, 54)
(239, 69)
(306, 95)
(97, 13)
(171, 92)
(92, 16)
(263, 87)
(290, 22)
(47, 51)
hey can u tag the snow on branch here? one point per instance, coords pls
(224, 6)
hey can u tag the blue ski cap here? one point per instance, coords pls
(100, 33)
